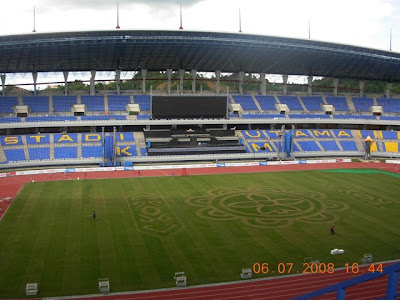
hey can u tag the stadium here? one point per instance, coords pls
(182, 189)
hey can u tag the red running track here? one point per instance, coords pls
(272, 288)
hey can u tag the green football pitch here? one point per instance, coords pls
(210, 227)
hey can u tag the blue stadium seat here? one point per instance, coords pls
(339, 103)
(35, 139)
(93, 103)
(67, 138)
(65, 152)
(329, 145)
(9, 120)
(39, 153)
(7, 104)
(309, 146)
(348, 145)
(363, 104)
(309, 116)
(292, 102)
(390, 118)
(342, 133)
(92, 151)
(11, 140)
(37, 104)
(143, 151)
(390, 135)
(64, 103)
(14, 154)
(354, 117)
(143, 117)
(143, 101)
(253, 134)
(51, 119)
(246, 102)
(390, 105)
(124, 137)
(266, 102)
(126, 150)
(118, 102)
(313, 103)
(263, 116)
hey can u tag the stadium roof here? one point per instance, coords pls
(202, 51)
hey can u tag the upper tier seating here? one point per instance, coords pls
(93, 103)
(308, 116)
(118, 102)
(266, 102)
(339, 103)
(143, 101)
(313, 103)
(363, 104)
(37, 104)
(7, 104)
(292, 102)
(390, 105)
(246, 102)
(63, 103)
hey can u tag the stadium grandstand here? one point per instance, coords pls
(172, 123)
(121, 112)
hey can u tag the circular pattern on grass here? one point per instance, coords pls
(266, 207)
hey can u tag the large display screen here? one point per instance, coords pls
(173, 107)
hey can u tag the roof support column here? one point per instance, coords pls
(335, 86)
(389, 87)
(285, 80)
(263, 86)
(118, 81)
(144, 73)
(241, 77)
(309, 80)
(3, 84)
(92, 80)
(34, 76)
(66, 73)
(181, 73)
(169, 75)
(218, 77)
(361, 83)
(194, 73)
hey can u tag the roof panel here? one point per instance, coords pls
(204, 51)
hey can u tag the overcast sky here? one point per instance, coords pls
(356, 22)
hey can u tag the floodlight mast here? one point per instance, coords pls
(34, 19)
(180, 8)
(117, 17)
(240, 21)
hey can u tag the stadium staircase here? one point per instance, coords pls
(339, 145)
(106, 103)
(140, 142)
(256, 102)
(350, 104)
(319, 145)
(25, 143)
(302, 103)
(277, 98)
(51, 138)
(359, 143)
(51, 103)
(2, 155)
(79, 148)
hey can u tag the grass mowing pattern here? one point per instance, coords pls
(208, 226)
